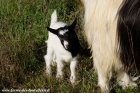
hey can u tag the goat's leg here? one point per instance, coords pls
(103, 80)
(73, 65)
(48, 60)
(48, 64)
(104, 73)
(124, 79)
(59, 68)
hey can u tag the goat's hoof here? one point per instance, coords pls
(72, 80)
(97, 89)
(130, 84)
(135, 78)
(49, 75)
(104, 88)
(48, 71)
(58, 76)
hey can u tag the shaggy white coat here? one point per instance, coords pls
(100, 29)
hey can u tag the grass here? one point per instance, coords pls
(23, 30)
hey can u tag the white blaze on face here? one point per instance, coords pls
(62, 32)
(66, 44)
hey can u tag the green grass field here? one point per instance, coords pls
(23, 31)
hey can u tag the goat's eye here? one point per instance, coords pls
(61, 36)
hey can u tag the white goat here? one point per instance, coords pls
(63, 46)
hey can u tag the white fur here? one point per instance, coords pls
(63, 32)
(66, 44)
(57, 52)
(54, 17)
(100, 30)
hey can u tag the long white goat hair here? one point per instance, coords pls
(102, 31)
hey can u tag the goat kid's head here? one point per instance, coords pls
(66, 34)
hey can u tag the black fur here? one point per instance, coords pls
(69, 36)
(129, 32)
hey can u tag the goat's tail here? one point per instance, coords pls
(54, 17)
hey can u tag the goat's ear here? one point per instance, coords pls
(73, 25)
(54, 31)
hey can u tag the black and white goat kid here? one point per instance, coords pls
(112, 28)
(63, 46)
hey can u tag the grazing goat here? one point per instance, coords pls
(112, 28)
(63, 46)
